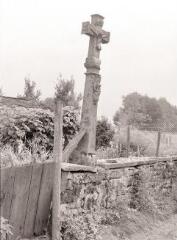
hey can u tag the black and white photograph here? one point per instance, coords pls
(88, 120)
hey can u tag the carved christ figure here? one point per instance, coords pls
(92, 83)
(97, 37)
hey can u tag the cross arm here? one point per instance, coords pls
(105, 36)
(91, 30)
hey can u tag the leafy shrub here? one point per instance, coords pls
(81, 225)
(104, 133)
(19, 126)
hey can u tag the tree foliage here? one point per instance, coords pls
(169, 115)
(30, 91)
(64, 90)
(146, 113)
(104, 133)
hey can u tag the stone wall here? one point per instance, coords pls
(143, 184)
(117, 198)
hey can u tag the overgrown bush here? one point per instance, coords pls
(104, 133)
(153, 192)
(83, 225)
(20, 126)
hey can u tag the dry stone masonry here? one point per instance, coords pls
(149, 183)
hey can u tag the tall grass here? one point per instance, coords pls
(142, 143)
(36, 154)
(5, 229)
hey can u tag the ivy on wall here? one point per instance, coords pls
(26, 126)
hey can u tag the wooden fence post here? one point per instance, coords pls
(138, 150)
(58, 136)
(128, 141)
(158, 143)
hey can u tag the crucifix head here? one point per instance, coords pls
(97, 37)
(94, 28)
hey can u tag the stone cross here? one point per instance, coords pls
(92, 83)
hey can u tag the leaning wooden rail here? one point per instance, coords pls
(73, 144)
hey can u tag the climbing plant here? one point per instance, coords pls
(23, 126)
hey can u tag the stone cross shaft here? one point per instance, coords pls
(92, 83)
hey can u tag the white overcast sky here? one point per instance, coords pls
(42, 38)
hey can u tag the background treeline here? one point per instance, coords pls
(147, 113)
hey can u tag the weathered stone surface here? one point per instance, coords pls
(118, 196)
(132, 162)
(92, 83)
(69, 167)
(141, 187)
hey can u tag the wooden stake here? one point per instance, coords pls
(58, 136)
(128, 141)
(158, 143)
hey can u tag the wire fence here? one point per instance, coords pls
(132, 142)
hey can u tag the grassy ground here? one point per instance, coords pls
(148, 229)
(153, 230)
(166, 230)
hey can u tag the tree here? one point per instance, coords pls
(139, 111)
(30, 91)
(104, 133)
(147, 113)
(169, 115)
(65, 91)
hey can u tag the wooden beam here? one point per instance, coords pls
(73, 144)
(158, 143)
(128, 141)
(58, 145)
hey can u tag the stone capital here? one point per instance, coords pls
(92, 62)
